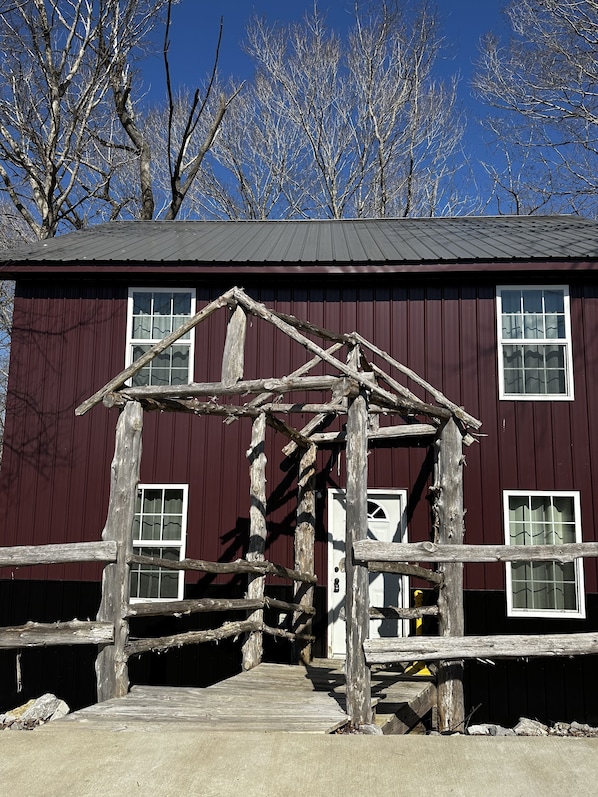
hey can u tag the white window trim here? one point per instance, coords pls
(130, 341)
(167, 543)
(580, 612)
(570, 394)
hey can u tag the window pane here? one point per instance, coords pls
(159, 516)
(533, 326)
(554, 301)
(511, 301)
(155, 315)
(181, 304)
(142, 303)
(512, 327)
(532, 301)
(534, 369)
(543, 520)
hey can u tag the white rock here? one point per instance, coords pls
(527, 727)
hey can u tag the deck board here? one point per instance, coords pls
(270, 697)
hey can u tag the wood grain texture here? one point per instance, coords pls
(111, 662)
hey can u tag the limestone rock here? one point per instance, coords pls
(36, 712)
(527, 727)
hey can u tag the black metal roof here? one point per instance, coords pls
(362, 242)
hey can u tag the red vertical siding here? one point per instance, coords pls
(69, 340)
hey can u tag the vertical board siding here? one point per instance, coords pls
(69, 340)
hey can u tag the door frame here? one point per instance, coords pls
(372, 492)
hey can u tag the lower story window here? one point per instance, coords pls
(159, 530)
(540, 589)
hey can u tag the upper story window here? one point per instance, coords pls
(540, 589)
(152, 315)
(534, 331)
(159, 530)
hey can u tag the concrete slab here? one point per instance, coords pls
(62, 759)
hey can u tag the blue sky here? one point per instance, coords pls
(195, 29)
(195, 26)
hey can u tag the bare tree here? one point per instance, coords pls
(53, 81)
(186, 130)
(339, 128)
(543, 84)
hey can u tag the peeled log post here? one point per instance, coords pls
(448, 508)
(253, 645)
(305, 535)
(233, 357)
(359, 700)
(111, 663)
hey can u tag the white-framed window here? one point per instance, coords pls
(543, 589)
(152, 314)
(159, 530)
(534, 333)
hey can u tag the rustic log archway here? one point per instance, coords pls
(360, 390)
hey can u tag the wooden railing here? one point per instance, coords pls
(102, 632)
(402, 558)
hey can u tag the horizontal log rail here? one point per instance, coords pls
(399, 613)
(160, 608)
(226, 631)
(404, 569)
(238, 566)
(74, 632)
(373, 551)
(60, 553)
(419, 648)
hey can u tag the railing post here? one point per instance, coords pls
(449, 518)
(359, 699)
(111, 663)
(305, 534)
(253, 648)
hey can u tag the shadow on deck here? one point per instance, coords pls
(270, 697)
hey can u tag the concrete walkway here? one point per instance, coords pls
(63, 760)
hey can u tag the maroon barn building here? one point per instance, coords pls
(500, 314)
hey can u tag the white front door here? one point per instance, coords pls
(386, 523)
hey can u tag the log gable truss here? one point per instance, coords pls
(360, 390)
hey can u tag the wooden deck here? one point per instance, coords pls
(270, 697)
